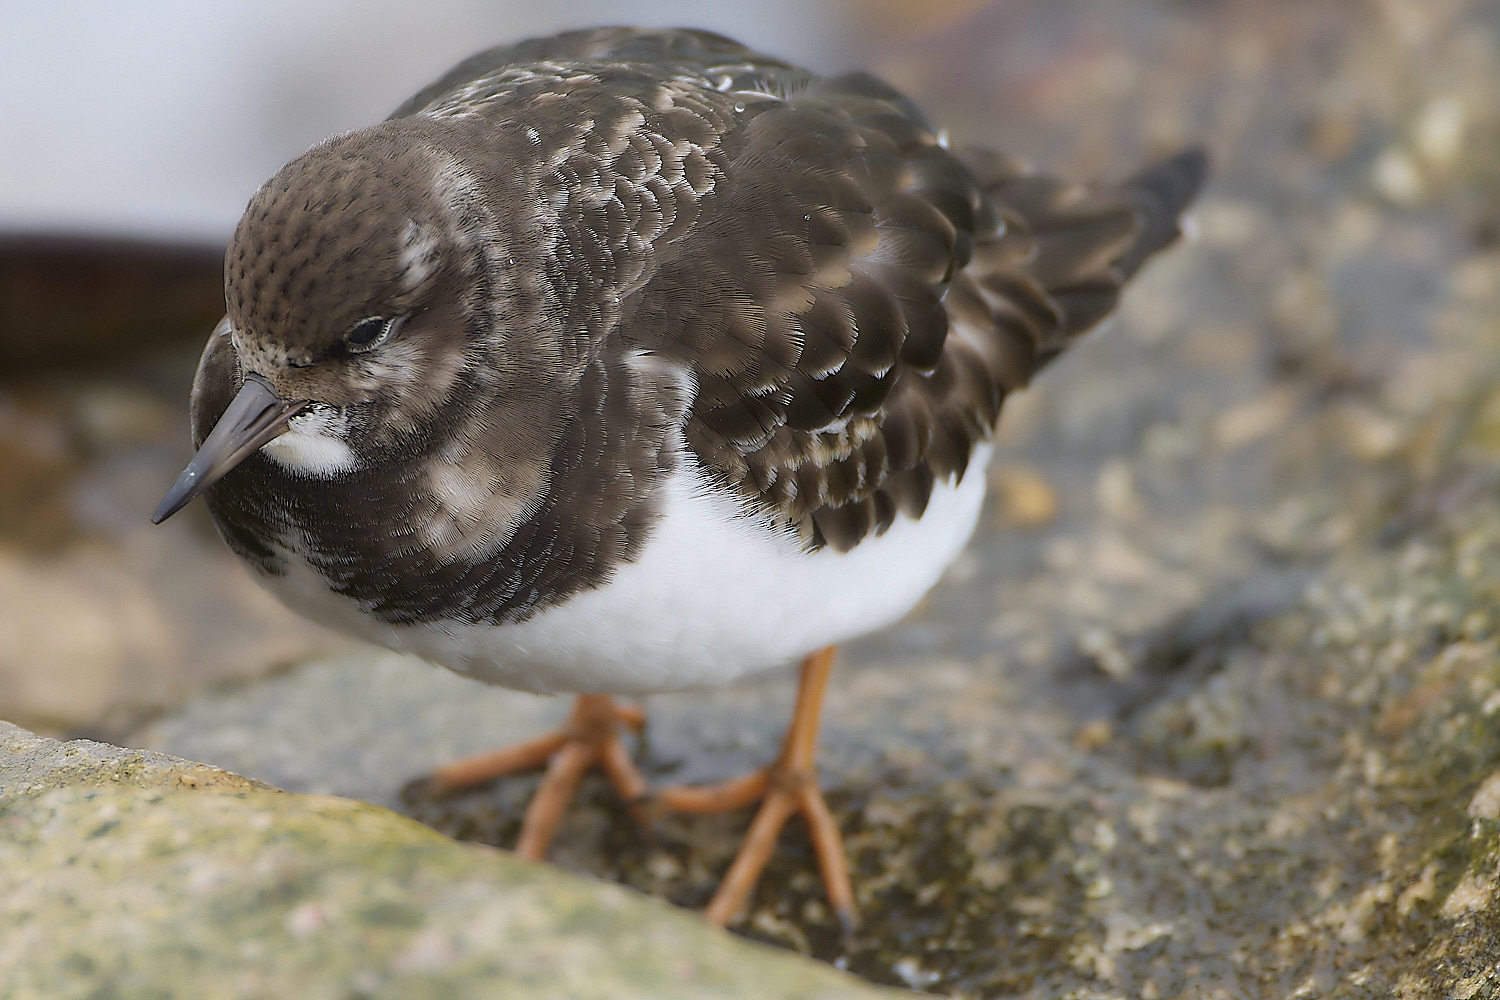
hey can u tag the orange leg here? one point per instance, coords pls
(789, 785)
(589, 737)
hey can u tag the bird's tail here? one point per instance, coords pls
(1066, 249)
(1162, 193)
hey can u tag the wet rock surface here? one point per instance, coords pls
(1209, 706)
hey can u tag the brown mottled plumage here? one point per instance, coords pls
(607, 346)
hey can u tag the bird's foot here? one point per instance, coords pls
(789, 785)
(781, 790)
(590, 737)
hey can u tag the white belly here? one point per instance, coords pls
(714, 594)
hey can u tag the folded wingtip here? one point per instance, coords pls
(1163, 193)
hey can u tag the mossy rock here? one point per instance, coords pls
(131, 874)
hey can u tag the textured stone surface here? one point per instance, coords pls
(134, 874)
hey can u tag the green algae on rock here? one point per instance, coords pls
(129, 874)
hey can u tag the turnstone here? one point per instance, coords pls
(627, 361)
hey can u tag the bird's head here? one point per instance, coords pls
(371, 288)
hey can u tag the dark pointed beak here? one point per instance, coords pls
(255, 416)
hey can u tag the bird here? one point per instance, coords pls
(632, 360)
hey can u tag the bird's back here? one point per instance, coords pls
(851, 300)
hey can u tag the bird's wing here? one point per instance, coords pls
(858, 301)
(850, 300)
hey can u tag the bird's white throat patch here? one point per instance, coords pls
(314, 444)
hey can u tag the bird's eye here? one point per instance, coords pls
(369, 333)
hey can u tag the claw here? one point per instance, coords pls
(589, 737)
